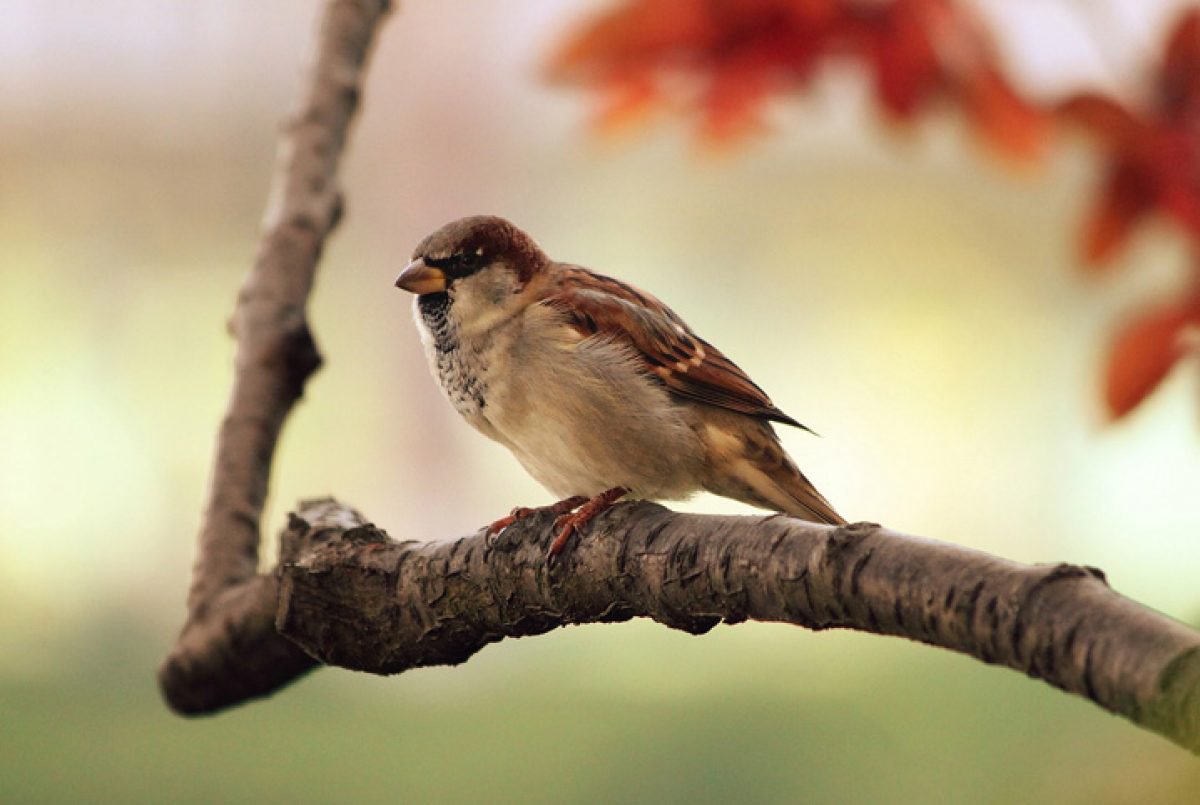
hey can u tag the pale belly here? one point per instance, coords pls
(591, 421)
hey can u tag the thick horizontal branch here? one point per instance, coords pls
(358, 599)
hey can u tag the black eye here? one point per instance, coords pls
(468, 263)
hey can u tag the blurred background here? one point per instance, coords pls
(912, 300)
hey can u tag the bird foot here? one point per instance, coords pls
(573, 522)
(523, 513)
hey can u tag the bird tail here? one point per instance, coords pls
(761, 473)
(800, 498)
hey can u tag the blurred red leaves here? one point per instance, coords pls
(1145, 351)
(1153, 153)
(723, 59)
(1153, 166)
(920, 51)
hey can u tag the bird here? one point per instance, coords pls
(597, 388)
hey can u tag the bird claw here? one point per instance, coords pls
(573, 522)
(492, 533)
(567, 526)
(568, 522)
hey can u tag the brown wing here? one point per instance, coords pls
(688, 365)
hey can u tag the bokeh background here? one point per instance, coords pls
(914, 301)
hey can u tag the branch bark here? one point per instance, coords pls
(343, 593)
(358, 599)
(229, 604)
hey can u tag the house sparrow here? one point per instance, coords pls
(597, 388)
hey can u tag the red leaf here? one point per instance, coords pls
(1175, 152)
(969, 72)
(1102, 116)
(1179, 86)
(1128, 195)
(732, 101)
(1003, 119)
(906, 65)
(627, 102)
(634, 36)
(1144, 353)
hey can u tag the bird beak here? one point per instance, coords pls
(421, 279)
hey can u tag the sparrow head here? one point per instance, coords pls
(481, 256)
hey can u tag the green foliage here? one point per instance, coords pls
(752, 713)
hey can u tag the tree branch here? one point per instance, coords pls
(276, 355)
(358, 599)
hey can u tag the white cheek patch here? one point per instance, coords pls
(484, 300)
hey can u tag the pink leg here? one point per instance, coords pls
(570, 523)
